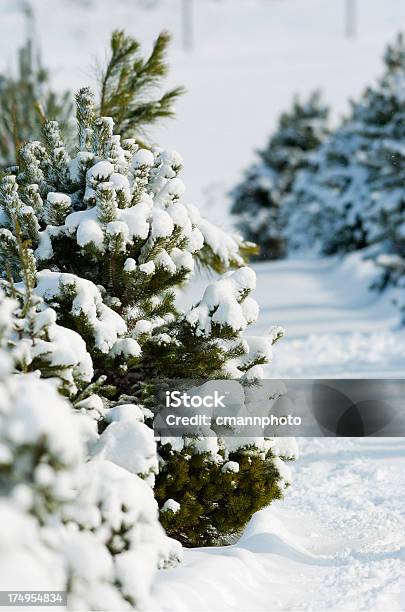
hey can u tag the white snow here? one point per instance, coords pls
(22, 548)
(222, 303)
(164, 261)
(136, 219)
(44, 250)
(117, 444)
(127, 347)
(107, 325)
(222, 243)
(231, 466)
(58, 198)
(143, 157)
(119, 508)
(162, 224)
(32, 410)
(171, 505)
(124, 412)
(67, 349)
(148, 267)
(130, 265)
(334, 325)
(99, 173)
(90, 232)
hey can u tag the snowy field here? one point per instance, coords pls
(334, 325)
(337, 541)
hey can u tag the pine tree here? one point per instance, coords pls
(327, 197)
(259, 200)
(352, 194)
(112, 241)
(24, 99)
(385, 157)
(39, 343)
(39, 459)
(57, 507)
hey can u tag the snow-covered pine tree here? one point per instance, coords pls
(112, 241)
(89, 528)
(384, 219)
(38, 456)
(385, 159)
(352, 193)
(258, 200)
(127, 94)
(323, 209)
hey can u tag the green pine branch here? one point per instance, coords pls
(128, 83)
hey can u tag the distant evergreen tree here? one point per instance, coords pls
(259, 200)
(324, 207)
(24, 100)
(384, 115)
(353, 192)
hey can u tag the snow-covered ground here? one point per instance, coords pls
(334, 325)
(337, 541)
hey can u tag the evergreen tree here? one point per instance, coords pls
(385, 157)
(327, 196)
(57, 508)
(352, 194)
(112, 241)
(259, 200)
(24, 100)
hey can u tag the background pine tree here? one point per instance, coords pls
(25, 98)
(385, 157)
(327, 197)
(259, 200)
(352, 193)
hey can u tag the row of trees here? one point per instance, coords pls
(94, 241)
(339, 190)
